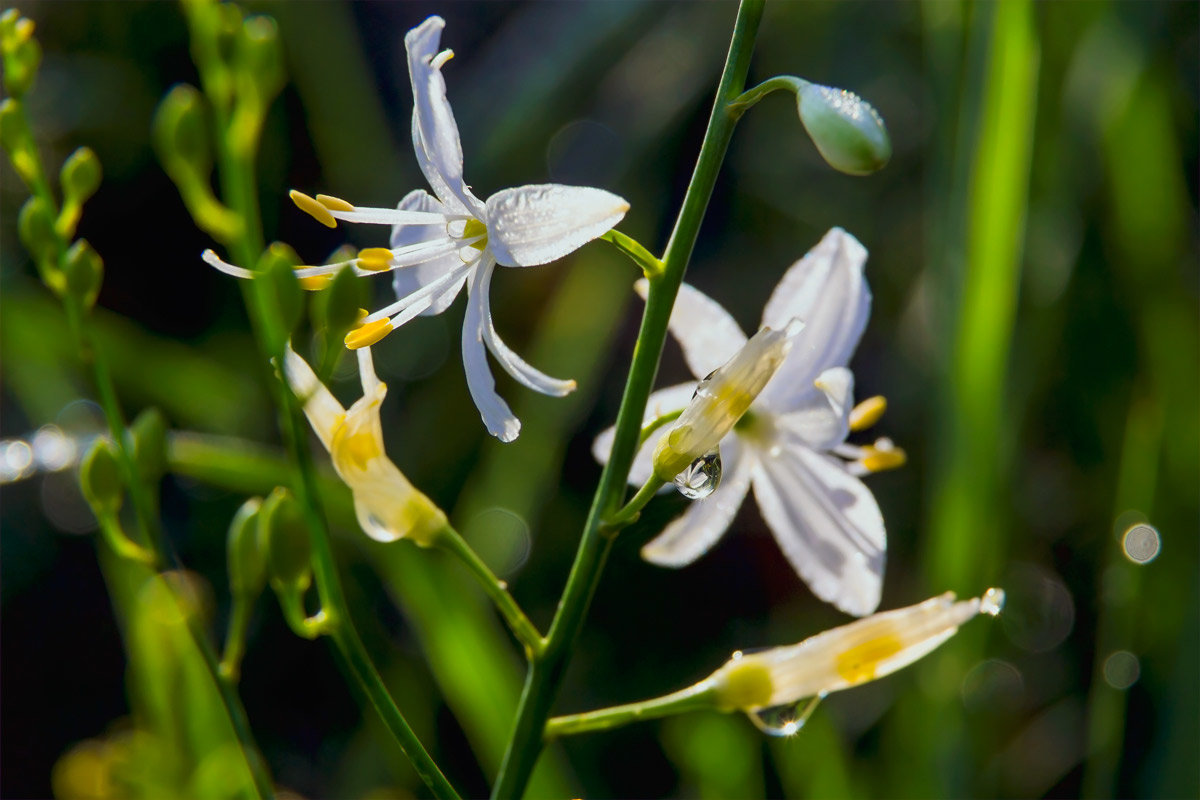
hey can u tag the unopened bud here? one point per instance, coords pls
(181, 131)
(284, 537)
(845, 128)
(80, 175)
(84, 271)
(247, 565)
(721, 399)
(35, 226)
(21, 51)
(260, 55)
(100, 478)
(275, 281)
(149, 431)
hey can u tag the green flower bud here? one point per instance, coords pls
(180, 130)
(149, 431)
(17, 140)
(278, 287)
(22, 53)
(845, 128)
(260, 56)
(283, 537)
(84, 271)
(35, 226)
(247, 566)
(100, 478)
(80, 176)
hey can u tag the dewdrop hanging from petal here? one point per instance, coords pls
(770, 685)
(720, 400)
(449, 239)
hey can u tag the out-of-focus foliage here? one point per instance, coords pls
(1034, 269)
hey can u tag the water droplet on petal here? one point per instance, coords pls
(701, 477)
(992, 602)
(785, 720)
(703, 383)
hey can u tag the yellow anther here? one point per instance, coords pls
(24, 29)
(334, 203)
(315, 283)
(877, 460)
(376, 259)
(314, 209)
(860, 663)
(369, 334)
(867, 413)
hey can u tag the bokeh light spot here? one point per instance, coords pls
(1122, 669)
(1141, 543)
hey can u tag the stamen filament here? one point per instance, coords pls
(426, 291)
(213, 260)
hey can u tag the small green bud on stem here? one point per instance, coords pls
(847, 131)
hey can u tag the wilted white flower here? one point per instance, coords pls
(846, 656)
(388, 507)
(445, 240)
(790, 445)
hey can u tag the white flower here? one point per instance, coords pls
(445, 240)
(388, 507)
(847, 656)
(790, 445)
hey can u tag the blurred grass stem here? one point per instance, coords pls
(546, 672)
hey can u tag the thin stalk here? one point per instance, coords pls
(633, 509)
(240, 195)
(546, 673)
(526, 632)
(631, 247)
(693, 698)
(748, 98)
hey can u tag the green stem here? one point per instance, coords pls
(631, 247)
(655, 424)
(693, 698)
(526, 632)
(630, 512)
(546, 673)
(748, 98)
(235, 638)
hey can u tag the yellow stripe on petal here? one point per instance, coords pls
(369, 334)
(860, 663)
(314, 209)
(375, 259)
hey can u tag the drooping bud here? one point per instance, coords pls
(80, 175)
(720, 401)
(84, 271)
(260, 56)
(247, 565)
(180, 129)
(847, 131)
(284, 538)
(100, 478)
(149, 431)
(278, 289)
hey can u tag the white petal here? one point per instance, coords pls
(537, 224)
(408, 280)
(513, 364)
(497, 416)
(435, 133)
(393, 216)
(323, 410)
(707, 333)
(693, 534)
(822, 418)
(826, 290)
(664, 401)
(827, 523)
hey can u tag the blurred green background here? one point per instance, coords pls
(1034, 267)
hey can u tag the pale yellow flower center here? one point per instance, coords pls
(860, 663)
